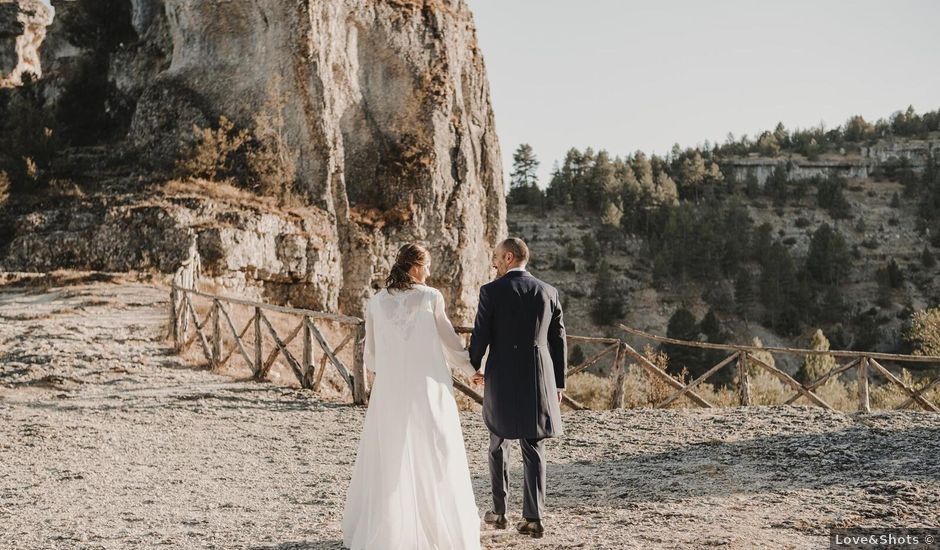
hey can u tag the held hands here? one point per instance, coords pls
(559, 396)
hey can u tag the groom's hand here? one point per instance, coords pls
(559, 396)
(477, 378)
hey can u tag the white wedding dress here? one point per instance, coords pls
(410, 488)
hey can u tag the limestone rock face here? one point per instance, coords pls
(22, 29)
(387, 106)
(385, 102)
(245, 250)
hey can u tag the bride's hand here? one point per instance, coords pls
(477, 378)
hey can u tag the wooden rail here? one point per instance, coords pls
(183, 316)
(741, 356)
(209, 331)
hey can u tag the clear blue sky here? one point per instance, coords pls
(624, 75)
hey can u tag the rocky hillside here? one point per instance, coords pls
(882, 225)
(378, 112)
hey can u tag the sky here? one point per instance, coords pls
(625, 75)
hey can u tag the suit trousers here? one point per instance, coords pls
(533, 479)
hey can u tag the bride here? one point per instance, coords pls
(410, 487)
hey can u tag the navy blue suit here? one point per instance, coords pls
(519, 319)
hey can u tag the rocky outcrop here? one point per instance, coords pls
(246, 249)
(862, 164)
(22, 29)
(385, 103)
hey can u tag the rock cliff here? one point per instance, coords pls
(385, 104)
(22, 29)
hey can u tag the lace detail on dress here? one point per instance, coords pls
(402, 308)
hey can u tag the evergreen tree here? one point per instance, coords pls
(683, 326)
(710, 326)
(590, 249)
(523, 181)
(780, 290)
(608, 303)
(524, 167)
(828, 256)
(692, 174)
(814, 366)
(924, 332)
(664, 191)
(744, 296)
(776, 186)
(829, 195)
(927, 258)
(893, 274)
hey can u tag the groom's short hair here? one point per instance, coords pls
(517, 247)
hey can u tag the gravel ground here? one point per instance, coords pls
(107, 440)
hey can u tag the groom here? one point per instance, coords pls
(519, 319)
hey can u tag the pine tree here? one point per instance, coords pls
(895, 200)
(927, 258)
(744, 296)
(781, 292)
(924, 332)
(523, 181)
(776, 186)
(815, 366)
(608, 303)
(524, 167)
(590, 249)
(683, 326)
(828, 256)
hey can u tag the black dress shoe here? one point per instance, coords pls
(531, 527)
(498, 521)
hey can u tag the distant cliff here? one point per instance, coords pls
(863, 163)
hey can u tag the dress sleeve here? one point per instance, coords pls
(368, 355)
(456, 356)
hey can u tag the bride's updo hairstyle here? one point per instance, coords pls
(409, 256)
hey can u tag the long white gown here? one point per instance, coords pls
(410, 488)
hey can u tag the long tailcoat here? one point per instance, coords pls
(519, 319)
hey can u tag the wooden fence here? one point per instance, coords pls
(208, 332)
(740, 357)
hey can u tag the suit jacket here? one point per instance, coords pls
(519, 319)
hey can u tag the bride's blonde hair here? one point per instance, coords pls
(409, 255)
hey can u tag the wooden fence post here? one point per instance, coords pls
(307, 381)
(360, 384)
(744, 381)
(864, 403)
(174, 319)
(259, 357)
(620, 375)
(216, 334)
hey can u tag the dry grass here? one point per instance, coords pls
(643, 390)
(4, 188)
(227, 193)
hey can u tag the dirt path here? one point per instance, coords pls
(107, 440)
